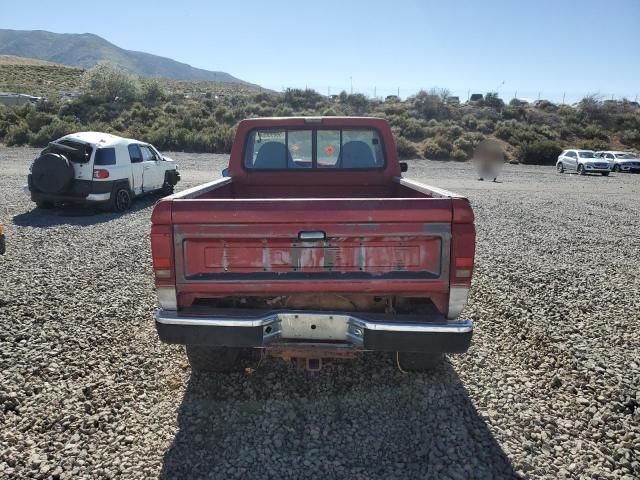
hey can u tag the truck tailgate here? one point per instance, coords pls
(260, 246)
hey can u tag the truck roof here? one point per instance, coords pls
(99, 139)
(328, 120)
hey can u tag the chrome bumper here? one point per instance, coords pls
(363, 331)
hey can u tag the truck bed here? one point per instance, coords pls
(231, 239)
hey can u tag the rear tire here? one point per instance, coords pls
(122, 199)
(418, 361)
(44, 205)
(167, 189)
(581, 170)
(213, 359)
(560, 167)
(605, 174)
(616, 168)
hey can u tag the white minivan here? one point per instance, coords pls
(582, 161)
(93, 168)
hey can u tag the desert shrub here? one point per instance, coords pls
(594, 144)
(469, 121)
(630, 137)
(56, 129)
(109, 83)
(454, 131)
(492, 100)
(152, 91)
(36, 120)
(459, 155)
(593, 132)
(464, 144)
(486, 126)
(406, 149)
(431, 150)
(443, 143)
(413, 130)
(17, 134)
(539, 152)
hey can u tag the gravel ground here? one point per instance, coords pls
(549, 388)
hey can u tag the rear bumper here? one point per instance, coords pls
(81, 192)
(55, 198)
(375, 332)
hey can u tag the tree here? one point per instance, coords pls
(492, 100)
(109, 83)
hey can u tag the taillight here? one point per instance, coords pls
(100, 173)
(162, 252)
(463, 242)
(463, 267)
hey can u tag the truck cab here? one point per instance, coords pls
(313, 246)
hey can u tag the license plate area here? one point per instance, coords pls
(313, 327)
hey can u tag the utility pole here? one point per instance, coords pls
(563, 94)
(468, 94)
(538, 95)
(515, 95)
(351, 82)
(398, 92)
(374, 92)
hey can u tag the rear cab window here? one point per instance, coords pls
(337, 149)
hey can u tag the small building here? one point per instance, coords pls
(476, 97)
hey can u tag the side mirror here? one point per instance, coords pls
(225, 172)
(404, 166)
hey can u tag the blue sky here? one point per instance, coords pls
(552, 47)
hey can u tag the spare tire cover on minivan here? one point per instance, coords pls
(52, 173)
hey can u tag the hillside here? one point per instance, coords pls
(52, 81)
(47, 80)
(13, 60)
(86, 49)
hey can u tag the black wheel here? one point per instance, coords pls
(43, 204)
(560, 167)
(418, 361)
(121, 200)
(214, 359)
(167, 189)
(605, 174)
(581, 169)
(616, 168)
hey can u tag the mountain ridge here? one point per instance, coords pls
(87, 49)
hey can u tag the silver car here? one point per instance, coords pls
(621, 161)
(583, 162)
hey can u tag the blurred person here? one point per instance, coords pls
(488, 158)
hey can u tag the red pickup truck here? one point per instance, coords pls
(313, 246)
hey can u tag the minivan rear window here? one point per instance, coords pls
(337, 149)
(105, 156)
